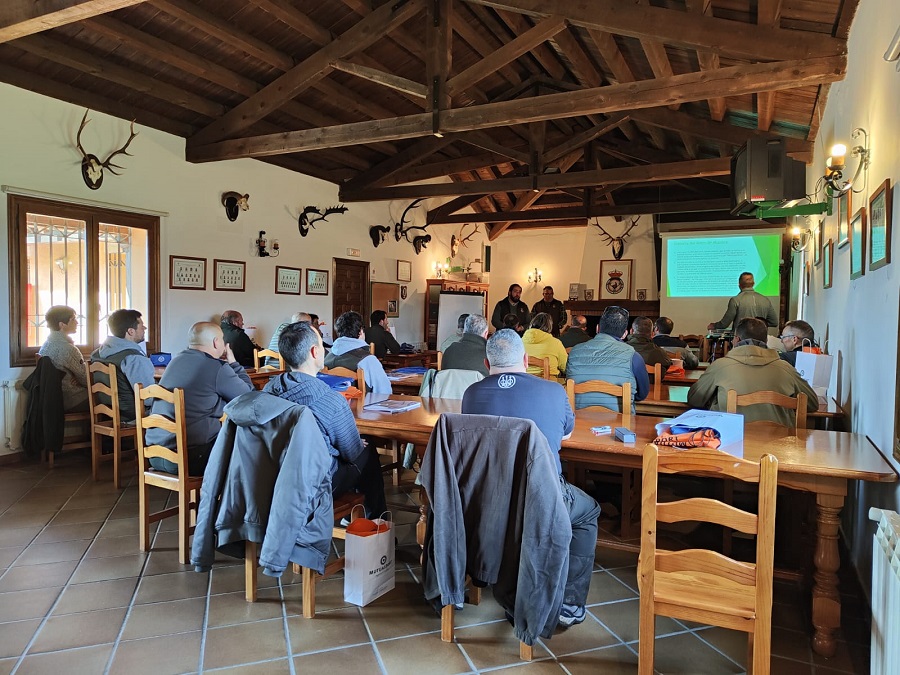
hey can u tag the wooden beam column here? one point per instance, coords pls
(19, 18)
(438, 59)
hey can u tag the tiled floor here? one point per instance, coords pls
(76, 596)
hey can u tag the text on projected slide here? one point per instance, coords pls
(710, 266)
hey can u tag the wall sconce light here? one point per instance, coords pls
(534, 277)
(800, 238)
(440, 269)
(262, 246)
(834, 165)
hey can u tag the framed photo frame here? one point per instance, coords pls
(229, 275)
(187, 273)
(392, 310)
(404, 270)
(615, 279)
(385, 295)
(316, 282)
(858, 244)
(807, 277)
(819, 235)
(843, 223)
(288, 280)
(827, 263)
(881, 208)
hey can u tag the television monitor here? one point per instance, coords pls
(762, 173)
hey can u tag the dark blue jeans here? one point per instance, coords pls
(583, 514)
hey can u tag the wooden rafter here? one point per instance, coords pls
(708, 60)
(380, 173)
(380, 77)
(768, 13)
(19, 18)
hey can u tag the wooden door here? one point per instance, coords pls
(351, 283)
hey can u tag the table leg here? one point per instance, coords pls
(826, 601)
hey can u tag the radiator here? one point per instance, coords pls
(13, 415)
(885, 592)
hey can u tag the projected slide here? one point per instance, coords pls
(708, 267)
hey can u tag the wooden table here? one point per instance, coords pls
(689, 377)
(258, 379)
(410, 384)
(425, 357)
(821, 462)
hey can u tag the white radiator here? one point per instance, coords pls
(885, 592)
(13, 415)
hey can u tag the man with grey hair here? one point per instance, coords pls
(457, 336)
(469, 352)
(794, 336)
(640, 339)
(577, 332)
(273, 343)
(748, 304)
(510, 392)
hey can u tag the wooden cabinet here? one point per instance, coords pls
(433, 290)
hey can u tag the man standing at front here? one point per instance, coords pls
(511, 304)
(552, 307)
(510, 392)
(122, 349)
(748, 304)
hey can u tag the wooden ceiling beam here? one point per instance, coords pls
(380, 173)
(586, 137)
(484, 141)
(19, 18)
(380, 77)
(301, 77)
(479, 44)
(768, 13)
(542, 53)
(447, 167)
(677, 28)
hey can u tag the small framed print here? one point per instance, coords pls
(229, 275)
(641, 294)
(615, 279)
(807, 277)
(589, 294)
(819, 234)
(858, 244)
(187, 273)
(827, 263)
(881, 208)
(392, 310)
(843, 224)
(316, 282)
(287, 280)
(404, 270)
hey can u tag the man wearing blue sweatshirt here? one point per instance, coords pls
(123, 350)
(351, 351)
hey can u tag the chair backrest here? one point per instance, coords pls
(176, 426)
(259, 354)
(543, 364)
(691, 340)
(371, 347)
(655, 373)
(701, 566)
(340, 371)
(797, 403)
(100, 411)
(622, 391)
(451, 383)
(440, 359)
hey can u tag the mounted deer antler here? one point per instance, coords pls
(457, 239)
(305, 224)
(618, 243)
(401, 232)
(91, 166)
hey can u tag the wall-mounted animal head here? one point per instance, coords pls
(401, 230)
(457, 239)
(304, 223)
(378, 233)
(618, 243)
(234, 203)
(91, 166)
(421, 242)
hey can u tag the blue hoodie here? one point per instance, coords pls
(374, 371)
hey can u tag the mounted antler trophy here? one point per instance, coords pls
(234, 203)
(378, 233)
(402, 230)
(618, 243)
(304, 224)
(91, 166)
(457, 239)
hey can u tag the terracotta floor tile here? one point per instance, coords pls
(422, 656)
(98, 569)
(14, 636)
(276, 667)
(784, 667)
(110, 547)
(245, 643)
(123, 527)
(8, 554)
(164, 618)
(7, 665)
(28, 518)
(327, 630)
(31, 604)
(406, 616)
(96, 595)
(94, 515)
(535, 668)
(684, 654)
(176, 586)
(623, 618)
(605, 588)
(158, 655)
(588, 635)
(611, 661)
(61, 551)
(232, 608)
(85, 660)
(79, 630)
(230, 579)
(55, 533)
(354, 660)
(37, 576)
(18, 536)
(329, 594)
(492, 645)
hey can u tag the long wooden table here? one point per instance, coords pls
(425, 357)
(258, 378)
(820, 462)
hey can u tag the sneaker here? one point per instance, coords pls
(571, 615)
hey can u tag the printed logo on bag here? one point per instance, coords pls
(385, 564)
(383, 559)
(506, 381)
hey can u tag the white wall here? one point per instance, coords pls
(860, 317)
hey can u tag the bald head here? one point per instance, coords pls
(301, 316)
(207, 337)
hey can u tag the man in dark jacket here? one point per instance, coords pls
(641, 329)
(380, 335)
(511, 304)
(794, 336)
(468, 353)
(577, 332)
(554, 308)
(354, 465)
(235, 337)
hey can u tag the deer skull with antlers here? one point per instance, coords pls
(304, 224)
(91, 166)
(457, 239)
(617, 243)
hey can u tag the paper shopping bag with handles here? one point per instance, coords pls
(815, 368)
(369, 560)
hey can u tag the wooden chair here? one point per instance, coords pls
(702, 585)
(259, 354)
(543, 364)
(106, 419)
(797, 403)
(343, 508)
(372, 348)
(655, 373)
(622, 391)
(359, 375)
(440, 360)
(187, 487)
(82, 420)
(692, 340)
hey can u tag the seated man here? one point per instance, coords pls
(794, 336)
(354, 465)
(208, 383)
(351, 351)
(457, 336)
(380, 335)
(577, 332)
(640, 339)
(606, 357)
(512, 321)
(273, 343)
(468, 353)
(122, 349)
(314, 320)
(241, 345)
(510, 392)
(751, 366)
(662, 337)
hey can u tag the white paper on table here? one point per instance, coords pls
(729, 425)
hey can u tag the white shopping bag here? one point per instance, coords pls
(369, 563)
(815, 368)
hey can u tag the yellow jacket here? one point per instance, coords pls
(540, 344)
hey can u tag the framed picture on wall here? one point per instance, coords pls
(858, 244)
(187, 273)
(807, 277)
(818, 234)
(827, 263)
(615, 279)
(404, 270)
(287, 280)
(880, 209)
(316, 282)
(843, 223)
(229, 275)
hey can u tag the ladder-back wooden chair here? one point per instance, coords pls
(187, 487)
(106, 419)
(796, 403)
(702, 585)
(656, 376)
(359, 376)
(620, 391)
(543, 364)
(260, 354)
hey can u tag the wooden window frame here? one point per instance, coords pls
(17, 207)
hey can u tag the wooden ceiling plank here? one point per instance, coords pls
(381, 172)
(484, 141)
(524, 43)
(586, 137)
(544, 55)
(768, 13)
(302, 76)
(479, 44)
(678, 28)
(708, 60)
(301, 22)
(380, 77)
(446, 167)
(19, 18)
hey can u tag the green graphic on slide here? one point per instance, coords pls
(705, 267)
